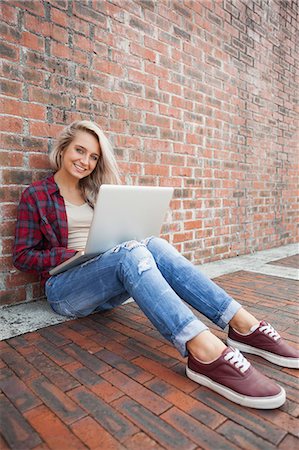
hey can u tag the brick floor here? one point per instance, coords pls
(290, 261)
(110, 381)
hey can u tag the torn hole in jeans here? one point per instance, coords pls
(131, 244)
(144, 264)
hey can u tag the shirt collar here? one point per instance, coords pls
(52, 185)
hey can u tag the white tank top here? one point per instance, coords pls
(79, 220)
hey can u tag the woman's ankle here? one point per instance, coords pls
(206, 347)
(243, 321)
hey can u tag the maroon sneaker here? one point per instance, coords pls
(264, 341)
(233, 377)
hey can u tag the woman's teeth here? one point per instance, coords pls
(81, 169)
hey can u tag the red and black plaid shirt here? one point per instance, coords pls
(42, 231)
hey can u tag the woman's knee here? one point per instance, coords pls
(137, 254)
(157, 242)
(158, 246)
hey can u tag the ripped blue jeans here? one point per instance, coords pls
(160, 280)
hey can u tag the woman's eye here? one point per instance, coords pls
(95, 158)
(79, 150)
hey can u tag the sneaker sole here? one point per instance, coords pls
(291, 363)
(241, 399)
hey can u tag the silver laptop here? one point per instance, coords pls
(122, 213)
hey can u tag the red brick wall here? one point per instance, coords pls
(199, 95)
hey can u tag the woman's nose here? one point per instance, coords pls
(85, 160)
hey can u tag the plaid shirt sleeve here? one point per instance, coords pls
(32, 251)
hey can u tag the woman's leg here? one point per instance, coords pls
(246, 332)
(243, 321)
(193, 286)
(131, 270)
(206, 346)
(204, 295)
(128, 270)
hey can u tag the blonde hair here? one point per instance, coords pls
(106, 170)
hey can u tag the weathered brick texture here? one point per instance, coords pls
(199, 95)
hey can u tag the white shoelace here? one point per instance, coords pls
(268, 329)
(237, 359)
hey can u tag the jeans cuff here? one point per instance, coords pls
(191, 330)
(229, 313)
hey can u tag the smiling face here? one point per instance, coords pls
(80, 158)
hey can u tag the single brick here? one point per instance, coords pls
(18, 364)
(90, 361)
(15, 429)
(116, 424)
(56, 400)
(141, 441)
(52, 430)
(17, 391)
(3, 444)
(288, 443)
(94, 435)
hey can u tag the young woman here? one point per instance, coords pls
(54, 217)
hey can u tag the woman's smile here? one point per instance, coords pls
(79, 168)
(80, 158)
